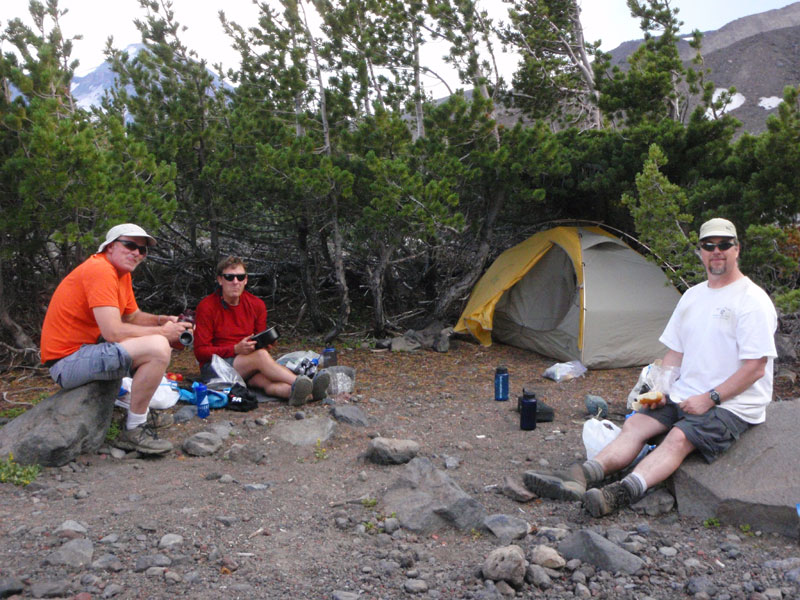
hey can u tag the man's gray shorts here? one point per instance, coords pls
(92, 362)
(711, 433)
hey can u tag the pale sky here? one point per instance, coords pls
(608, 20)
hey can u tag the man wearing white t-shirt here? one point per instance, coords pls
(721, 338)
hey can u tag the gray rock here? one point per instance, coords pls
(75, 553)
(506, 564)
(203, 443)
(547, 557)
(766, 458)
(242, 453)
(50, 589)
(340, 595)
(70, 526)
(185, 413)
(451, 462)
(343, 379)
(657, 502)
(701, 585)
(143, 563)
(537, 575)
(593, 548)
(514, 489)
(108, 562)
(415, 586)
(10, 586)
(506, 528)
(352, 415)
(306, 432)
(112, 590)
(385, 451)
(221, 429)
(426, 499)
(170, 540)
(61, 427)
(403, 344)
(596, 406)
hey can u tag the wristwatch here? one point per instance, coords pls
(715, 396)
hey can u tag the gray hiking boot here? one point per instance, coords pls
(599, 502)
(143, 439)
(301, 389)
(320, 386)
(569, 484)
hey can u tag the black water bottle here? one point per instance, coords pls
(501, 384)
(527, 410)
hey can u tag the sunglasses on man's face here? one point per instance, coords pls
(130, 245)
(710, 246)
(232, 276)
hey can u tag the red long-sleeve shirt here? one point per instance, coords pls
(220, 326)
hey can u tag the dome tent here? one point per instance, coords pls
(573, 293)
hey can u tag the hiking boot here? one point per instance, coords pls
(569, 484)
(158, 419)
(301, 389)
(143, 439)
(544, 413)
(320, 386)
(599, 502)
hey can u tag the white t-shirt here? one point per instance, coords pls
(715, 330)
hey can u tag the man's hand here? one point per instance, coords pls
(697, 405)
(245, 346)
(172, 330)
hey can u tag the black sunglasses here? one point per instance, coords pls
(710, 246)
(130, 245)
(232, 276)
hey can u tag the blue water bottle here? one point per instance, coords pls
(527, 410)
(501, 384)
(201, 394)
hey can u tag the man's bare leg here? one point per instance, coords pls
(261, 370)
(151, 355)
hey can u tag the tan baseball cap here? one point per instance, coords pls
(717, 228)
(126, 229)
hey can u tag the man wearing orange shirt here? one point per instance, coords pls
(94, 330)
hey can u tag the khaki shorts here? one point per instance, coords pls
(711, 433)
(92, 362)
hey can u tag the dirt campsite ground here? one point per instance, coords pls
(306, 522)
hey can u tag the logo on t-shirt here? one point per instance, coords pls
(722, 312)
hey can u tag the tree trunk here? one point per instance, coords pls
(376, 281)
(458, 289)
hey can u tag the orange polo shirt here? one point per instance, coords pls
(69, 322)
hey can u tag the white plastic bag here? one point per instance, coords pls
(225, 376)
(597, 435)
(565, 371)
(165, 396)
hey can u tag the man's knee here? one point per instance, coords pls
(148, 348)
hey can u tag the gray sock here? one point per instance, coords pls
(636, 485)
(593, 471)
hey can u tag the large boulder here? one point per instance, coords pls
(62, 427)
(426, 499)
(755, 483)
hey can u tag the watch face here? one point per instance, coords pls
(714, 396)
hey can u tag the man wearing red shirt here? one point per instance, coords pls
(226, 321)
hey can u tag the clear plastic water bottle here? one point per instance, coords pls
(501, 383)
(201, 394)
(329, 358)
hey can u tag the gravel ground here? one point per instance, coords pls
(309, 523)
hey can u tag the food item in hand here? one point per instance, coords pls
(652, 397)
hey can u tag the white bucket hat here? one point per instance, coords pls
(126, 229)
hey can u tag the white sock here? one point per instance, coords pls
(135, 420)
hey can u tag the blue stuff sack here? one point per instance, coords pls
(216, 398)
